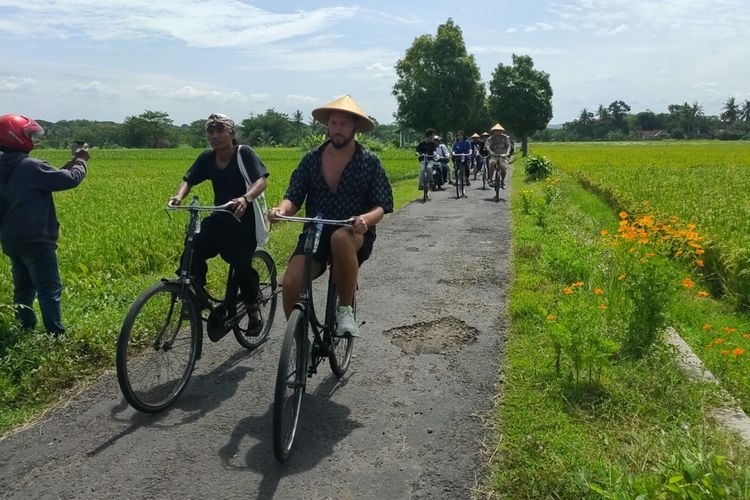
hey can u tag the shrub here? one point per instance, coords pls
(538, 168)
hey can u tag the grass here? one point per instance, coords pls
(115, 241)
(639, 427)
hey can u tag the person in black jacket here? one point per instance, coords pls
(28, 222)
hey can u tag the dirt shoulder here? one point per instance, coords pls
(403, 423)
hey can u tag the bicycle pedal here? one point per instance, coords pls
(363, 323)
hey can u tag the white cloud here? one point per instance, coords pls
(300, 99)
(611, 31)
(220, 23)
(95, 88)
(13, 84)
(190, 93)
(533, 51)
(380, 70)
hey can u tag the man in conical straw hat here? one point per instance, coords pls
(338, 180)
(498, 144)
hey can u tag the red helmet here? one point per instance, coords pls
(17, 132)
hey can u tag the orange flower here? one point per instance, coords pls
(551, 317)
(650, 254)
(738, 351)
(699, 262)
(623, 215)
(720, 341)
(746, 335)
(729, 329)
(567, 290)
(706, 326)
(700, 251)
(621, 277)
(678, 253)
(724, 352)
(602, 306)
(577, 284)
(604, 232)
(688, 283)
(598, 291)
(709, 345)
(702, 294)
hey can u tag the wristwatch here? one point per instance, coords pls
(248, 198)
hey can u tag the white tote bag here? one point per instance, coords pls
(260, 209)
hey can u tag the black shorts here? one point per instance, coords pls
(323, 253)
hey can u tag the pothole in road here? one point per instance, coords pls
(433, 337)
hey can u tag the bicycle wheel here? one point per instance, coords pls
(426, 185)
(157, 347)
(459, 180)
(266, 269)
(496, 183)
(341, 349)
(484, 177)
(290, 385)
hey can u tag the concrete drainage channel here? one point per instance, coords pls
(730, 416)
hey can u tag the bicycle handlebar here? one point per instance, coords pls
(226, 207)
(316, 220)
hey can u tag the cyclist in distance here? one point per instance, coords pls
(462, 147)
(338, 180)
(498, 144)
(28, 222)
(476, 149)
(444, 157)
(220, 232)
(426, 148)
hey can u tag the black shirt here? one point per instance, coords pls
(362, 187)
(228, 183)
(426, 148)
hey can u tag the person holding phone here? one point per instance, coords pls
(28, 221)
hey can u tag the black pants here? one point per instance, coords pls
(221, 234)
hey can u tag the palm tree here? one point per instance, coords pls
(745, 112)
(602, 113)
(586, 117)
(731, 111)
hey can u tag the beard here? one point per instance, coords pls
(340, 141)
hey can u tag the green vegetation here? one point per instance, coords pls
(582, 416)
(115, 240)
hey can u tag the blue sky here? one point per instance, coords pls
(109, 59)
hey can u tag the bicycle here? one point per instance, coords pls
(426, 174)
(301, 355)
(501, 163)
(460, 168)
(162, 335)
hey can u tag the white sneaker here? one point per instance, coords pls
(345, 324)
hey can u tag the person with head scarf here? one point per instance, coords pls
(222, 234)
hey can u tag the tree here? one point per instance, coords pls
(618, 110)
(269, 128)
(731, 111)
(745, 112)
(438, 83)
(194, 135)
(150, 129)
(521, 98)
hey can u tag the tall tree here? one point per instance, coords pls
(150, 129)
(438, 83)
(521, 98)
(745, 112)
(618, 110)
(731, 111)
(269, 128)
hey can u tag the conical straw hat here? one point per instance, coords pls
(498, 127)
(345, 103)
(475, 136)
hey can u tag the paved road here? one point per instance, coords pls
(403, 423)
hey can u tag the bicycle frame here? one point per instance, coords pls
(305, 302)
(188, 286)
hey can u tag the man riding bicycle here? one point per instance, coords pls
(462, 147)
(498, 144)
(220, 232)
(426, 150)
(338, 180)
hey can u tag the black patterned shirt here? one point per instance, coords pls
(363, 186)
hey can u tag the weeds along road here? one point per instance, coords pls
(405, 421)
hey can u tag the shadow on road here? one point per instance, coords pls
(323, 423)
(203, 394)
